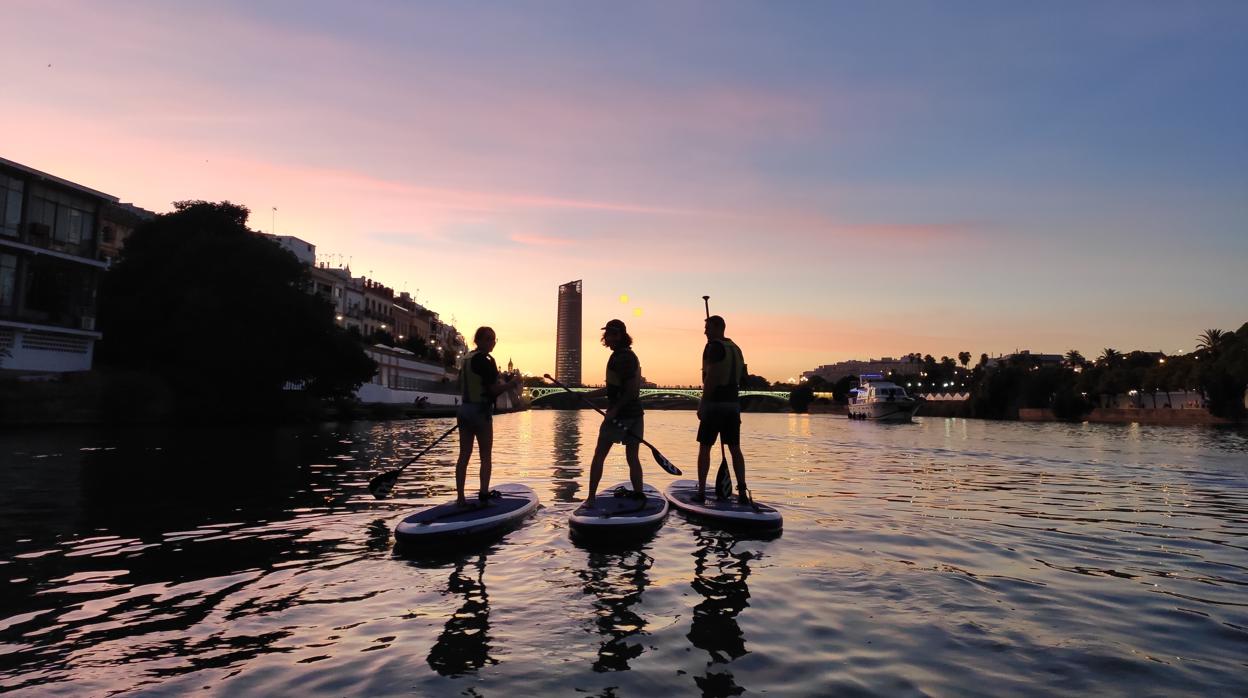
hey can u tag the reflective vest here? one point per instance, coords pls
(727, 374)
(471, 387)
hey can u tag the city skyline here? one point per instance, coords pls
(843, 181)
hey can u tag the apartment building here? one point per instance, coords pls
(50, 268)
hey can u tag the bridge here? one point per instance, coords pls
(537, 393)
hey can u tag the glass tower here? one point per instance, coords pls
(568, 335)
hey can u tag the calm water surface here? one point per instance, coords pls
(944, 557)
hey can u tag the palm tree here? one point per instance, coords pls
(1075, 359)
(1109, 357)
(964, 357)
(1211, 339)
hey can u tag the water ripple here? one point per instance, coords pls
(945, 557)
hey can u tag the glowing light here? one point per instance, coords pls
(636, 312)
(623, 297)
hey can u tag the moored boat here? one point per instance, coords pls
(880, 400)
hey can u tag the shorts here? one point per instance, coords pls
(472, 417)
(720, 420)
(634, 431)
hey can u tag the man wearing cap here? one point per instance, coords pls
(719, 410)
(624, 422)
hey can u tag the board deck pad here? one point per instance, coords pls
(612, 513)
(723, 511)
(449, 520)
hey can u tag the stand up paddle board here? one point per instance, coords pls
(722, 512)
(616, 516)
(452, 525)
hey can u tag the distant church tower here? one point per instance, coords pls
(568, 335)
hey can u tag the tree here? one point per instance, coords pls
(1109, 357)
(964, 357)
(1075, 359)
(801, 397)
(1211, 339)
(221, 314)
(1224, 376)
(753, 382)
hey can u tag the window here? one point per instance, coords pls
(10, 205)
(69, 220)
(8, 281)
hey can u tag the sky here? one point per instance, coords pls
(843, 179)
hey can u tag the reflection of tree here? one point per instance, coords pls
(567, 455)
(464, 644)
(719, 576)
(617, 579)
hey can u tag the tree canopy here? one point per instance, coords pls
(221, 313)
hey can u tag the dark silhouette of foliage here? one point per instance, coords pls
(801, 397)
(221, 314)
(753, 382)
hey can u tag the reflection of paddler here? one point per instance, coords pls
(464, 644)
(617, 580)
(719, 576)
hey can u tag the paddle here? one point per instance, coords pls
(723, 480)
(664, 463)
(381, 485)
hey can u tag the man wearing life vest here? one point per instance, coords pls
(719, 410)
(479, 386)
(625, 421)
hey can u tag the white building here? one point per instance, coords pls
(401, 378)
(50, 269)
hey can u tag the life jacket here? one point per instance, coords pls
(727, 375)
(471, 387)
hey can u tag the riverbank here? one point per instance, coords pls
(1142, 415)
(131, 397)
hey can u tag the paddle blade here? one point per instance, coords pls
(723, 481)
(664, 463)
(381, 485)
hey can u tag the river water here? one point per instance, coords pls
(944, 557)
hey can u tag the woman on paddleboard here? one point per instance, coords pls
(479, 386)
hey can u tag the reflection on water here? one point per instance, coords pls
(943, 557)
(464, 644)
(719, 575)
(566, 456)
(616, 580)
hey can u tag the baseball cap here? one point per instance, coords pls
(615, 325)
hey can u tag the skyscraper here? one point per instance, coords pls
(568, 335)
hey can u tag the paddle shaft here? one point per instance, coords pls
(394, 474)
(594, 407)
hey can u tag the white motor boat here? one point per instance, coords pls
(880, 400)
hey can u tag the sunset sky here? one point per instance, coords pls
(845, 180)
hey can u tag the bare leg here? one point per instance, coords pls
(461, 466)
(704, 466)
(595, 469)
(738, 465)
(634, 465)
(485, 439)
